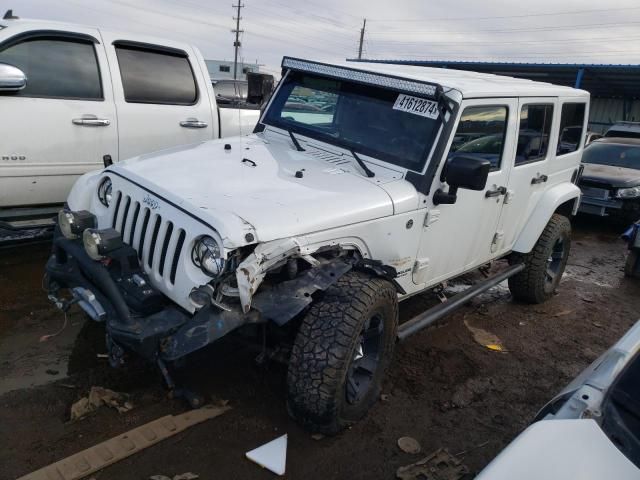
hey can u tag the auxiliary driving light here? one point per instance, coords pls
(72, 224)
(206, 255)
(98, 243)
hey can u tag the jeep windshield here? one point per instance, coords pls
(382, 123)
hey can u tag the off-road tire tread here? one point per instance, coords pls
(528, 285)
(324, 346)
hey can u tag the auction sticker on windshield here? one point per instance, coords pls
(417, 106)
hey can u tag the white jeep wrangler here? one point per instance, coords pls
(363, 184)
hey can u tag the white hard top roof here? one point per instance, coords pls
(470, 84)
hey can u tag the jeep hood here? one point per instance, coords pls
(277, 190)
(610, 176)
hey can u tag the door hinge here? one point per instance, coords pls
(497, 240)
(421, 264)
(509, 196)
(431, 217)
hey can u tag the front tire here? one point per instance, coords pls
(544, 265)
(340, 354)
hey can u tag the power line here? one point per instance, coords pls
(525, 15)
(400, 43)
(514, 30)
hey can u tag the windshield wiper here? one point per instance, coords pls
(295, 141)
(363, 165)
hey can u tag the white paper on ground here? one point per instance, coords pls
(272, 455)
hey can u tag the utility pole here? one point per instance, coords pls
(364, 25)
(236, 44)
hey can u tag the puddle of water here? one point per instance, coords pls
(25, 316)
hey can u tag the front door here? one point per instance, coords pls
(62, 124)
(459, 237)
(161, 93)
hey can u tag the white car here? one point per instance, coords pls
(590, 431)
(317, 225)
(74, 97)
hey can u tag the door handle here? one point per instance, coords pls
(539, 179)
(193, 123)
(496, 193)
(91, 121)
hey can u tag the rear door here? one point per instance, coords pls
(161, 95)
(529, 178)
(62, 124)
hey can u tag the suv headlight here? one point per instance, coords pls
(632, 192)
(206, 255)
(72, 224)
(104, 191)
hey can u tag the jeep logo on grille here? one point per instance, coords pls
(151, 202)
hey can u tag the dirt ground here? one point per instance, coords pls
(443, 388)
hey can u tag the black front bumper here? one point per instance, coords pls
(145, 323)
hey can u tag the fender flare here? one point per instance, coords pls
(286, 300)
(551, 200)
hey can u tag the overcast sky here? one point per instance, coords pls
(571, 31)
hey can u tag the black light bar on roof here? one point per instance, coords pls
(345, 73)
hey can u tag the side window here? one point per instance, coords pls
(481, 133)
(153, 76)
(533, 137)
(571, 125)
(225, 68)
(56, 68)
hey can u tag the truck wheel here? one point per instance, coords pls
(341, 352)
(544, 265)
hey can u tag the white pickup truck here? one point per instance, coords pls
(71, 95)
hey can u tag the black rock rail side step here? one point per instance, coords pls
(434, 314)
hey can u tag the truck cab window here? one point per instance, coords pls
(56, 68)
(481, 132)
(533, 137)
(571, 126)
(150, 76)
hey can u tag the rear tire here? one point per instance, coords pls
(544, 265)
(340, 354)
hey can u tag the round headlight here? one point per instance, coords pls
(104, 191)
(207, 256)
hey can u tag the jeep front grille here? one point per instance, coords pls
(158, 241)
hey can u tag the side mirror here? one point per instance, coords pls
(463, 171)
(12, 79)
(260, 86)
